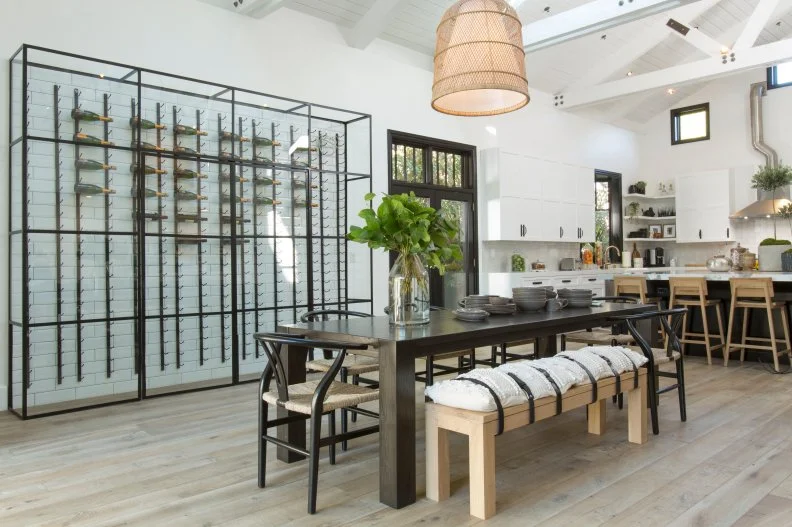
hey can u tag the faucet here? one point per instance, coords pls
(607, 254)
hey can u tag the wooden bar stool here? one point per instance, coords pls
(633, 286)
(756, 293)
(691, 292)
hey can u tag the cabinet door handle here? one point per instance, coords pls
(524, 230)
(727, 232)
(699, 234)
(581, 233)
(592, 279)
(561, 229)
(536, 283)
(566, 281)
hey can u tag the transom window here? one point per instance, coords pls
(690, 124)
(779, 75)
(422, 164)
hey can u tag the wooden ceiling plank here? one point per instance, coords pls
(372, 24)
(756, 24)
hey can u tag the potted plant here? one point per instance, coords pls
(770, 251)
(640, 187)
(786, 261)
(769, 179)
(421, 236)
(633, 209)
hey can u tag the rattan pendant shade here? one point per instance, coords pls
(479, 63)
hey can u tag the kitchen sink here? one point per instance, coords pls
(613, 266)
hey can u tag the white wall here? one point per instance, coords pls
(729, 147)
(297, 56)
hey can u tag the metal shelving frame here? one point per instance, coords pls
(233, 240)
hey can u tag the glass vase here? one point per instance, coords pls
(408, 291)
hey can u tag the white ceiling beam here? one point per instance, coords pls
(262, 9)
(756, 24)
(592, 17)
(372, 24)
(699, 70)
(648, 38)
(696, 38)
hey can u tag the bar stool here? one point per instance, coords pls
(691, 292)
(756, 293)
(633, 286)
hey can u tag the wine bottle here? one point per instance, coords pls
(145, 124)
(228, 156)
(303, 149)
(225, 176)
(227, 220)
(636, 255)
(91, 140)
(262, 160)
(91, 190)
(260, 200)
(300, 184)
(186, 194)
(227, 197)
(183, 150)
(195, 218)
(185, 173)
(228, 136)
(262, 180)
(148, 146)
(226, 241)
(153, 216)
(148, 170)
(188, 130)
(303, 203)
(151, 193)
(90, 164)
(265, 141)
(79, 114)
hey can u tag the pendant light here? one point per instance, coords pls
(479, 63)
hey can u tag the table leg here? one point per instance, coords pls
(294, 358)
(397, 425)
(546, 346)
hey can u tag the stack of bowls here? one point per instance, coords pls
(576, 297)
(471, 315)
(530, 298)
(475, 301)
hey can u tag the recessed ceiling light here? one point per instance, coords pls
(101, 75)
(724, 50)
(670, 91)
(629, 74)
(547, 10)
(603, 37)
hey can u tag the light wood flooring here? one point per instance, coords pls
(191, 460)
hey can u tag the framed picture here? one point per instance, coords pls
(655, 231)
(669, 231)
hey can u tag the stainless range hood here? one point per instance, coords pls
(766, 204)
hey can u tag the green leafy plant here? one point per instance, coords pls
(641, 186)
(404, 224)
(769, 179)
(788, 251)
(786, 213)
(774, 241)
(633, 209)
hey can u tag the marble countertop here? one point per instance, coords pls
(662, 273)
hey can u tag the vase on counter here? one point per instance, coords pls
(786, 261)
(770, 257)
(517, 263)
(408, 291)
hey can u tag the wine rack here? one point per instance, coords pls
(231, 219)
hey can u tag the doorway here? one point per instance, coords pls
(443, 174)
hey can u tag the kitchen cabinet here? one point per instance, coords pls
(704, 201)
(530, 199)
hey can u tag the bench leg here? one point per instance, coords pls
(596, 417)
(482, 473)
(438, 475)
(637, 429)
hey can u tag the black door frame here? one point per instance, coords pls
(436, 193)
(616, 224)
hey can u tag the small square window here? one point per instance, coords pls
(779, 76)
(690, 124)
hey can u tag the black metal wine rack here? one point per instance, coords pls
(231, 219)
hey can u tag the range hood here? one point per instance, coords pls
(766, 204)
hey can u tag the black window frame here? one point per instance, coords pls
(676, 113)
(616, 220)
(772, 78)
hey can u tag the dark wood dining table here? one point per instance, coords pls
(399, 347)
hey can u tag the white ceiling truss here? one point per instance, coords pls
(613, 60)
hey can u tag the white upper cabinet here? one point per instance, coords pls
(530, 199)
(704, 202)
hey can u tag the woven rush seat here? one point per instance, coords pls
(602, 337)
(695, 302)
(354, 364)
(659, 355)
(340, 395)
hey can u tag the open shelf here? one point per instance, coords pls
(644, 196)
(650, 218)
(650, 240)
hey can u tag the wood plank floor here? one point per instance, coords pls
(191, 460)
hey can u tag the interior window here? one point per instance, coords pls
(779, 75)
(690, 124)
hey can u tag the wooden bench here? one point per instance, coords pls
(482, 427)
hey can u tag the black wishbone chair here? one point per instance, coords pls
(610, 336)
(307, 400)
(671, 320)
(356, 363)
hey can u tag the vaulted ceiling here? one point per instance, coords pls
(615, 68)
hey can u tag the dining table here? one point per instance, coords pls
(399, 347)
